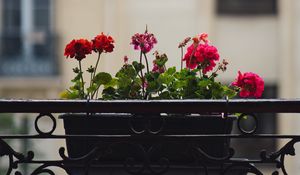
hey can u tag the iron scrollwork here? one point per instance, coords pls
(143, 164)
(146, 123)
(279, 156)
(245, 117)
(37, 127)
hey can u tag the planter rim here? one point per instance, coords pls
(70, 115)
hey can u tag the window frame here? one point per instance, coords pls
(32, 40)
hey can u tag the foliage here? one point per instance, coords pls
(136, 81)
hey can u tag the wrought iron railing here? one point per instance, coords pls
(46, 108)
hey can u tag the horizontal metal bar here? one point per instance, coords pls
(110, 137)
(151, 106)
(110, 165)
(233, 160)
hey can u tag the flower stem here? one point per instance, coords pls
(91, 83)
(200, 74)
(96, 91)
(215, 72)
(146, 63)
(82, 83)
(93, 77)
(142, 76)
(181, 62)
(96, 66)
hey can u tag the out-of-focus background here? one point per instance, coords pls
(262, 36)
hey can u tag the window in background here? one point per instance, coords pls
(247, 7)
(26, 38)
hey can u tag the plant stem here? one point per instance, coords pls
(96, 66)
(200, 74)
(142, 76)
(82, 83)
(181, 62)
(146, 63)
(90, 95)
(95, 92)
(212, 74)
(93, 77)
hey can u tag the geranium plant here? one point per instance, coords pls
(140, 80)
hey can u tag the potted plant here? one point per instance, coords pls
(140, 80)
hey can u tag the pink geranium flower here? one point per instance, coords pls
(144, 42)
(251, 84)
(203, 55)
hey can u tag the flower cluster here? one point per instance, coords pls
(103, 43)
(203, 56)
(251, 84)
(144, 42)
(78, 49)
(137, 80)
(81, 47)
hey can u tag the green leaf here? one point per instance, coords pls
(69, 94)
(149, 76)
(204, 83)
(136, 85)
(137, 66)
(229, 92)
(124, 81)
(112, 83)
(171, 71)
(102, 78)
(153, 86)
(92, 88)
(77, 86)
(135, 91)
(77, 77)
(109, 93)
(190, 88)
(165, 79)
(165, 95)
(182, 74)
(217, 91)
(161, 60)
(127, 71)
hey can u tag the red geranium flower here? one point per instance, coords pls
(250, 83)
(78, 49)
(103, 43)
(203, 55)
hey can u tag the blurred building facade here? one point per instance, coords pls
(262, 36)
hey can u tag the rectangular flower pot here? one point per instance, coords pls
(147, 144)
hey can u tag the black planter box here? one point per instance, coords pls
(178, 152)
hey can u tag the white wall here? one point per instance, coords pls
(250, 44)
(170, 20)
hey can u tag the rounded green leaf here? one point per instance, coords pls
(102, 78)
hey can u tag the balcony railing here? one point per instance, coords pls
(47, 108)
